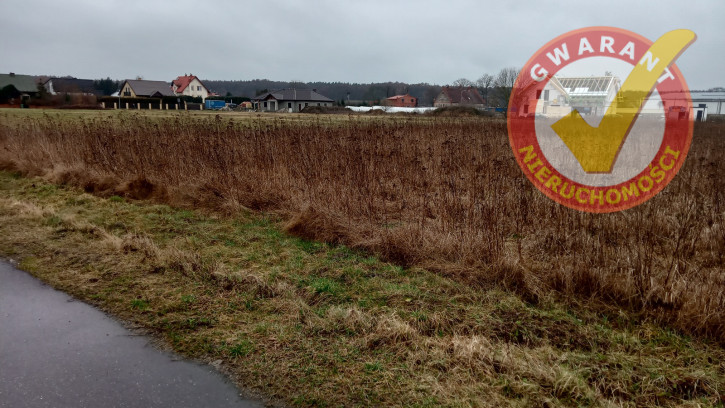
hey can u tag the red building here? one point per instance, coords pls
(402, 101)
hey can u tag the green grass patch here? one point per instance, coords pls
(139, 304)
(241, 349)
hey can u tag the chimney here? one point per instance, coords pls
(12, 74)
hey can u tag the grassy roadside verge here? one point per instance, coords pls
(316, 325)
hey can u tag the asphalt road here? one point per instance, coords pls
(58, 352)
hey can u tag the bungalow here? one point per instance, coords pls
(56, 86)
(459, 96)
(189, 85)
(141, 88)
(401, 101)
(290, 100)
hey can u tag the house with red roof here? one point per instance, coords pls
(189, 85)
(459, 96)
(401, 101)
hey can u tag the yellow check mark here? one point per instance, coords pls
(597, 149)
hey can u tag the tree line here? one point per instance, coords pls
(494, 88)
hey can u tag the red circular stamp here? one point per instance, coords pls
(599, 118)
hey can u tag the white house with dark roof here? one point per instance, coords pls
(68, 85)
(290, 100)
(141, 88)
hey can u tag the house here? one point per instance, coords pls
(190, 85)
(459, 96)
(134, 88)
(290, 100)
(596, 94)
(24, 84)
(401, 101)
(590, 95)
(56, 86)
(552, 101)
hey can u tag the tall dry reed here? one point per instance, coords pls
(442, 193)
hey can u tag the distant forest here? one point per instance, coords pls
(338, 91)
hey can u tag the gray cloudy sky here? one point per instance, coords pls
(325, 40)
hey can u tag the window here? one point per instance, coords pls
(265, 104)
(198, 88)
(289, 105)
(305, 104)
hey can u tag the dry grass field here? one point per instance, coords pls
(442, 195)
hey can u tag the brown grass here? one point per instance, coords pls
(442, 193)
(312, 324)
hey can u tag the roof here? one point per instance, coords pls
(182, 82)
(399, 97)
(142, 87)
(588, 86)
(707, 95)
(73, 85)
(293, 94)
(23, 83)
(554, 83)
(463, 95)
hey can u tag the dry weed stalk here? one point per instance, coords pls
(443, 193)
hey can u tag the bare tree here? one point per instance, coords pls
(462, 82)
(484, 84)
(503, 84)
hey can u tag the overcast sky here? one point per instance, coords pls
(348, 41)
